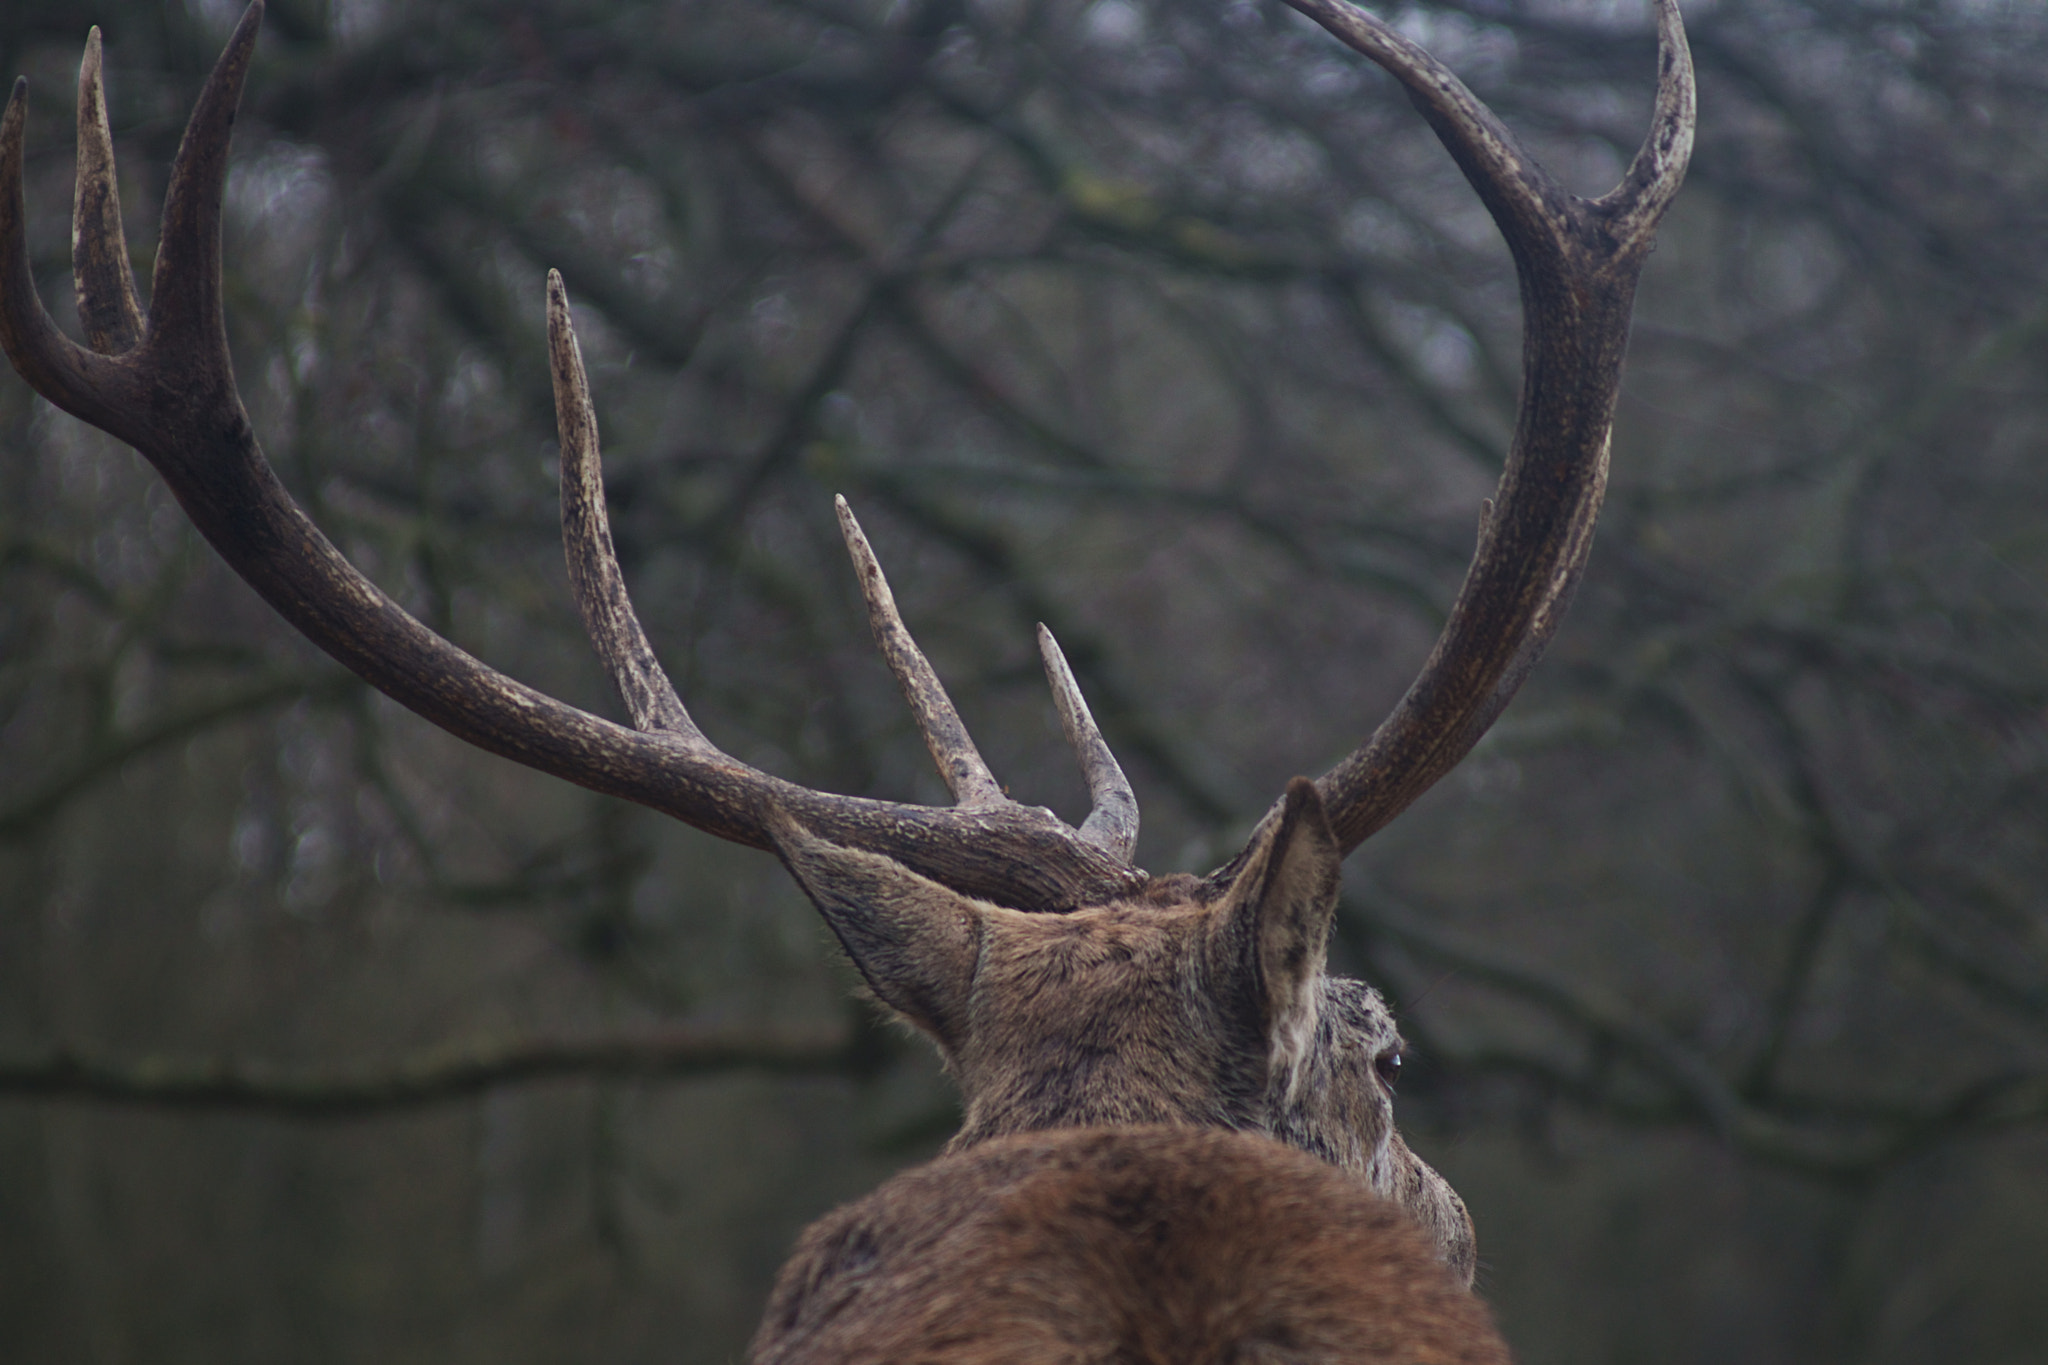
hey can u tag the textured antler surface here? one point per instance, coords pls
(1113, 823)
(594, 577)
(1578, 261)
(952, 750)
(105, 285)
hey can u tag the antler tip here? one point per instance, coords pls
(558, 303)
(1055, 660)
(243, 40)
(246, 26)
(873, 585)
(89, 66)
(13, 125)
(1670, 27)
(849, 527)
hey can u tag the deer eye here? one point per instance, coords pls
(1388, 1065)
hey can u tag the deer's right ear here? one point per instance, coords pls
(915, 942)
(1271, 932)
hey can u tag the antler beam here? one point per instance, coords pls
(1578, 261)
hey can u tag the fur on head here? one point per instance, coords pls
(1168, 1007)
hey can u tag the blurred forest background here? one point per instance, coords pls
(1168, 323)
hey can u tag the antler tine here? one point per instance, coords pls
(82, 383)
(1113, 823)
(184, 296)
(1578, 262)
(100, 273)
(599, 587)
(952, 750)
(1512, 186)
(1658, 169)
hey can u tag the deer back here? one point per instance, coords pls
(1142, 1246)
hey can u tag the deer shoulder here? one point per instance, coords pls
(1145, 1246)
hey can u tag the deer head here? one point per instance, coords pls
(1063, 985)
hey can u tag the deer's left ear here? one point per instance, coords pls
(1271, 932)
(915, 942)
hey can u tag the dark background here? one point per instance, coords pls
(1725, 956)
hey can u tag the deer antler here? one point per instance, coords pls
(163, 383)
(1578, 261)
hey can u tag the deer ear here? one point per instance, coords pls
(915, 942)
(1271, 931)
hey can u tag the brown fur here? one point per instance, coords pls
(1139, 1246)
(1176, 1146)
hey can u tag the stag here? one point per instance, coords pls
(1178, 1142)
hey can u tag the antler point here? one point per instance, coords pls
(849, 528)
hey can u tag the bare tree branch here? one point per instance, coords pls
(445, 1075)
